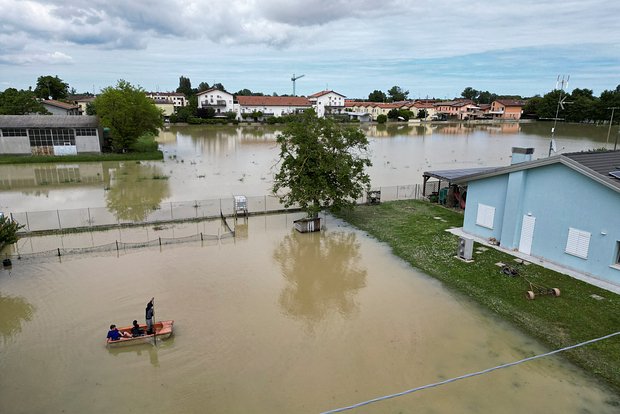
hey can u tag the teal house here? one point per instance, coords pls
(564, 209)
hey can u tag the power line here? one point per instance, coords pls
(473, 374)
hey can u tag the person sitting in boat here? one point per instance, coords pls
(114, 334)
(135, 329)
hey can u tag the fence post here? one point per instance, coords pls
(265, 205)
(116, 245)
(90, 223)
(58, 248)
(397, 192)
(160, 241)
(59, 225)
(171, 214)
(196, 207)
(27, 222)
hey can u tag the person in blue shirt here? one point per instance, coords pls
(114, 334)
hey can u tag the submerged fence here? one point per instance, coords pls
(128, 215)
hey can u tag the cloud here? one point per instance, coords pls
(30, 58)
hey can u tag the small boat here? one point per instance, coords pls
(163, 330)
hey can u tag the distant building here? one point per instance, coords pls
(327, 103)
(459, 109)
(272, 105)
(506, 109)
(221, 101)
(49, 135)
(60, 108)
(177, 99)
(82, 101)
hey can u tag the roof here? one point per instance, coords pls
(510, 102)
(457, 103)
(319, 94)
(452, 175)
(48, 121)
(273, 101)
(212, 90)
(594, 164)
(179, 94)
(58, 104)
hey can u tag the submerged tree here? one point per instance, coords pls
(322, 164)
(128, 113)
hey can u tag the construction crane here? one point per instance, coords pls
(294, 78)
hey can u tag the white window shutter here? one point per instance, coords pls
(486, 215)
(578, 243)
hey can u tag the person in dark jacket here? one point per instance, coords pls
(135, 329)
(150, 311)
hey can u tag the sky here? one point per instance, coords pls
(432, 48)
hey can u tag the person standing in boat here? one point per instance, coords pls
(149, 316)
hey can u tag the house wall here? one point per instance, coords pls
(558, 197)
(270, 110)
(211, 98)
(87, 144)
(490, 192)
(333, 100)
(14, 145)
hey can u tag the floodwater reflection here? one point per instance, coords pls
(322, 274)
(14, 311)
(136, 190)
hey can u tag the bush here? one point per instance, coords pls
(382, 119)
(8, 230)
(145, 143)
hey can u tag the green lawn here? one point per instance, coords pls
(415, 234)
(34, 159)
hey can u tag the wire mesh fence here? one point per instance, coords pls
(128, 215)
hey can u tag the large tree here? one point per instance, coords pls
(396, 94)
(185, 86)
(322, 164)
(14, 102)
(51, 87)
(377, 96)
(128, 113)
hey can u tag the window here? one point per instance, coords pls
(578, 243)
(486, 215)
(617, 262)
(85, 132)
(14, 132)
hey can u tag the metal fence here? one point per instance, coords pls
(94, 217)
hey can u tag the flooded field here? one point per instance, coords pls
(204, 163)
(271, 321)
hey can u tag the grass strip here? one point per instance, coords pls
(415, 230)
(37, 159)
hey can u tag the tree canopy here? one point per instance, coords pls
(51, 87)
(185, 86)
(128, 113)
(377, 96)
(322, 164)
(14, 102)
(397, 94)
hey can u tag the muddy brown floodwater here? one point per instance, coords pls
(209, 162)
(272, 321)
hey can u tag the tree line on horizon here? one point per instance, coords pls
(580, 105)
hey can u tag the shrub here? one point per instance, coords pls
(8, 230)
(381, 119)
(145, 143)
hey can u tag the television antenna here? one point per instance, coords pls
(561, 84)
(294, 78)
